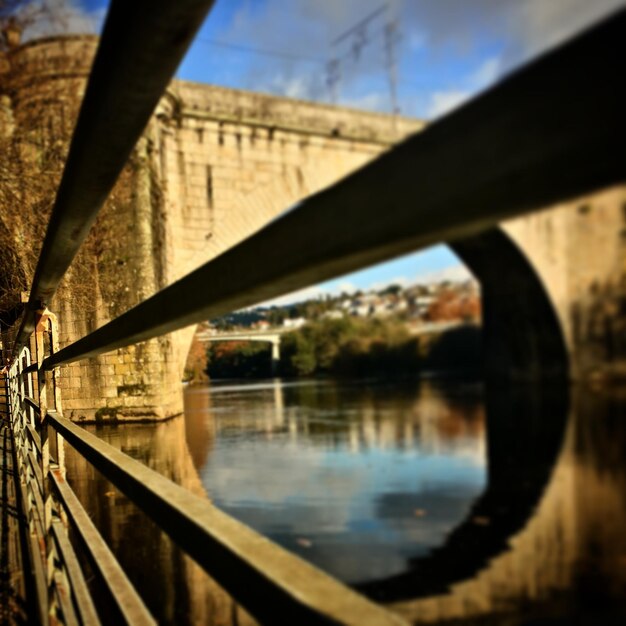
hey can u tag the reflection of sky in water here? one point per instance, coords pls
(357, 489)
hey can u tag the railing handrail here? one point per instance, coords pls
(264, 574)
(140, 49)
(59, 582)
(268, 580)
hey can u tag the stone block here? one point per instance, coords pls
(109, 392)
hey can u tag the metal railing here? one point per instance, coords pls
(48, 504)
(549, 132)
(268, 580)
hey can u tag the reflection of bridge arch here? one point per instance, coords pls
(523, 340)
(525, 431)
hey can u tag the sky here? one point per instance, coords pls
(443, 53)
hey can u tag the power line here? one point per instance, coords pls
(260, 51)
(298, 57)
(361, 24)
(358, 37)
(334, 66)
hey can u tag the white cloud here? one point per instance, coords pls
(442, 102)
(525, 26)
(416, 41)
(403, 281)
(486, 73)
(454, 273)
(375, 101)
(522, 28)
(54, 17)
(293, 86)
(311, 293)
(541, 24)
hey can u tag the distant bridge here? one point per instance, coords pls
(271, 336)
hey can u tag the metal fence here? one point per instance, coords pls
(273, 584)
(549, 132)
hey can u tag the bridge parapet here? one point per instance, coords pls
(264, 115)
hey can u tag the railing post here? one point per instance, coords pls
(46, 341)
(53, 329)
(44, 459)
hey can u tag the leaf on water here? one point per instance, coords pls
(305, 543)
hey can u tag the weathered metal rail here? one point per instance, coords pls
(141, 46)
(549, 132)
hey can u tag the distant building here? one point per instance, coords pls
(360, 310)
(333, 315)
(295, 322)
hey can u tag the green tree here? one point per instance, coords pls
(298, 354)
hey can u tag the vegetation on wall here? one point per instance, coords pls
(37, 119)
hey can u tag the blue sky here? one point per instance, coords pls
(446, 52)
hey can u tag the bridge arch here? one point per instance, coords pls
(523, 337)
(222, 163)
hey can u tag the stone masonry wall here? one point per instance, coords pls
(578, 249)
(214, 165)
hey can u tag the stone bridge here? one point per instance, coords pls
(216, 164)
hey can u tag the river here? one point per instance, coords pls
(440, 500)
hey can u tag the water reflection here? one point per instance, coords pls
(448, 508)
(356, 478)
(564, 559)
(525, 429)
(176, 590)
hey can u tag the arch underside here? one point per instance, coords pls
(11, 278)
(522, 335)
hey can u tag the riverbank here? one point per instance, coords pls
(351, 347)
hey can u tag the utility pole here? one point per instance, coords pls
(392, 37)
(333, 75)
(358, 37)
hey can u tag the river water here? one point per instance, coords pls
(442, 501)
